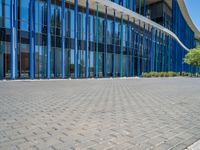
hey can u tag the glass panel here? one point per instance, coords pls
(91, 63)
(100, 65)
(23, 61)
(1, 60)
(117, 65)
(109, 64)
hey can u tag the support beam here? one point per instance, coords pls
(48, 37)
(63, 38)
(97, 40)
(86, 39)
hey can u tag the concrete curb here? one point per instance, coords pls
(195, 146)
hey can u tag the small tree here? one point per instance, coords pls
(193, 57)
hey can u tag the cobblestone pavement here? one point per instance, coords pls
(114, 114)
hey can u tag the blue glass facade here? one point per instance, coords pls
(63, 39)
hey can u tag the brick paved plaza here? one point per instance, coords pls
(102, 114)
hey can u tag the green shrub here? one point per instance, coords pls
(166, 74)
(161, 74)
(147, 75)
(185, 74)
(169, 74)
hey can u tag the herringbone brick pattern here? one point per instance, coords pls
(114, 114)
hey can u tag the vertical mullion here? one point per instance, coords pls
(97, 39)
(63, 39)
(86, 39)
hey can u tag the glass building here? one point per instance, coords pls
(43, 39)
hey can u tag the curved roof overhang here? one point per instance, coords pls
(120, 9)
(187, 18)
(184, 12)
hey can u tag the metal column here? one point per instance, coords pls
(48, 37)
(133, 49)
(121, 45)
(75, 39)
(63, 38)
(169, 53)
(149, 51)
(97, 39)
(144, 7)
(86, 39)
(156, 49)
(163, 54)
(127, 48)
(144, 48)
(13, 47)
(114, 46)
(138, 62)
(140, 5)
(105, 43)
(152, 49)
(32, 37)
(134, 5)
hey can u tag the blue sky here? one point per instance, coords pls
(193, 7)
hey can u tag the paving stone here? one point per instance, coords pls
(100, 114)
